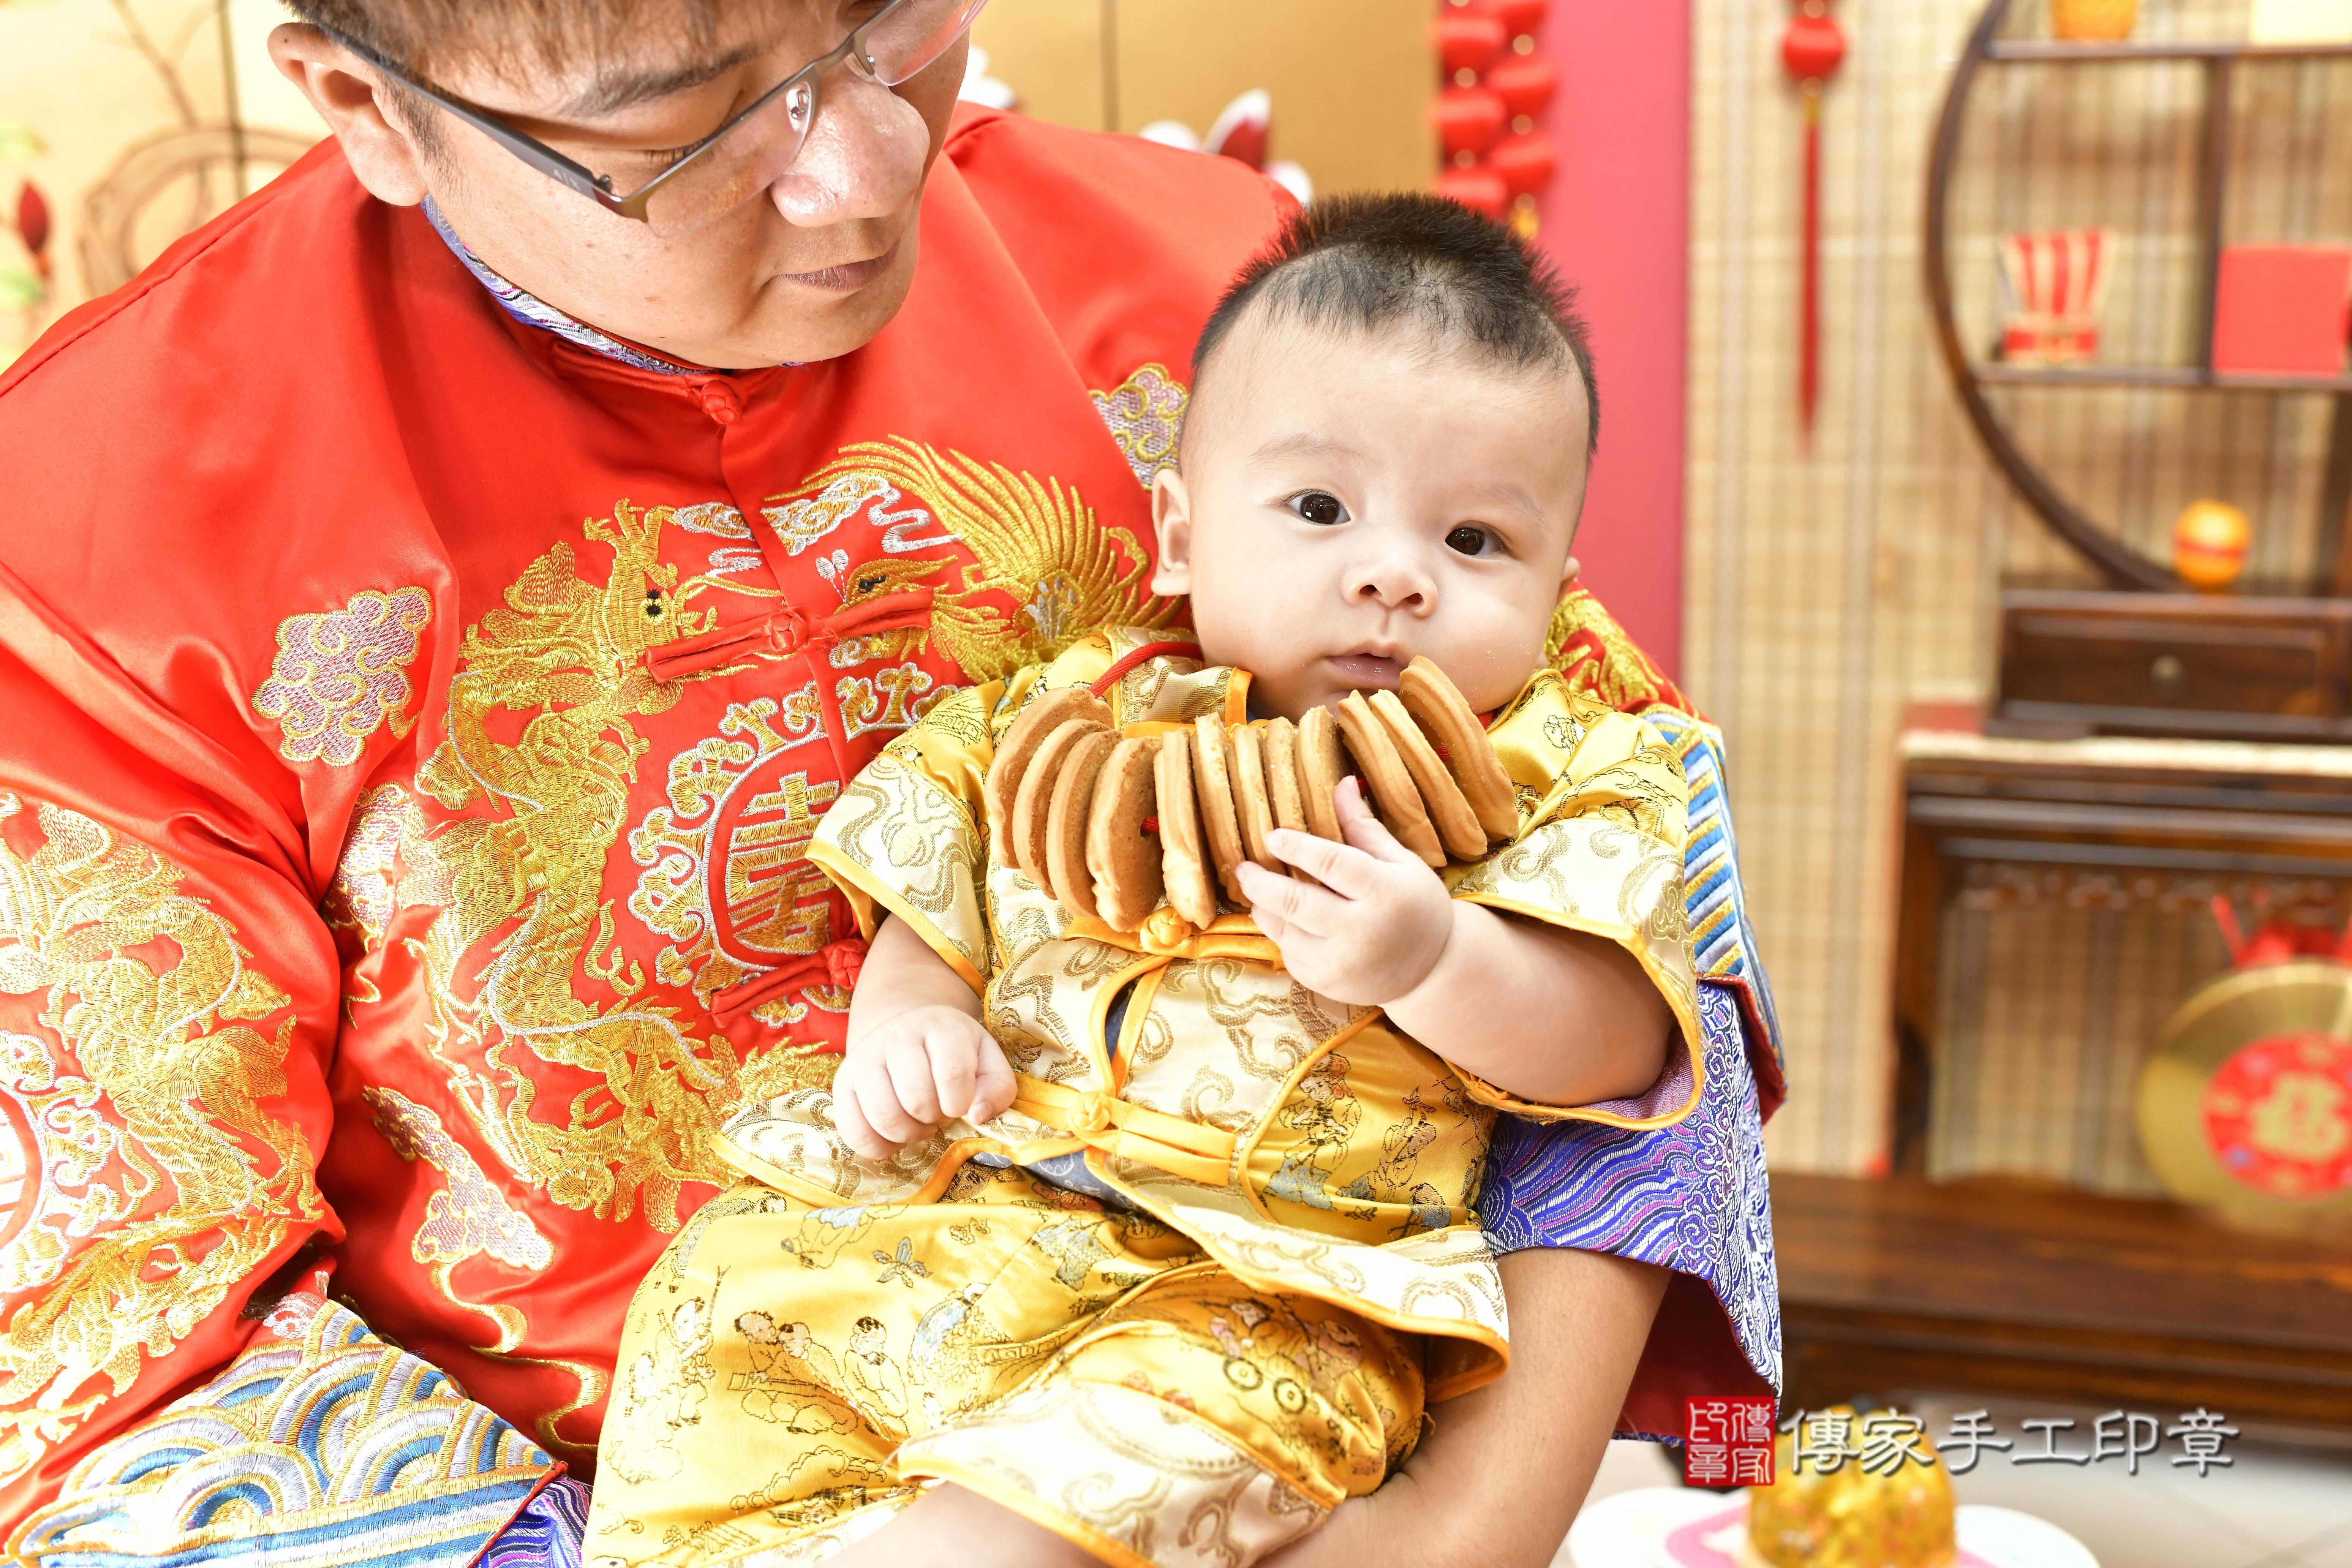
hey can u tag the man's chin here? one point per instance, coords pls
(798, 323)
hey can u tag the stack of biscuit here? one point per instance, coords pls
(1108, 824)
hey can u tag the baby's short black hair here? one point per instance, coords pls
(1372, 261)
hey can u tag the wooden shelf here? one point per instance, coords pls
(2120, 563)
(2039, 1291)
(2186, 377)
(2048, 51)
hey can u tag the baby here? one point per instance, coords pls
(1163, 1238)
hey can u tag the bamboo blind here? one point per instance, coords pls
(1826, 591)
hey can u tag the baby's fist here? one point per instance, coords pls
(914, 1071)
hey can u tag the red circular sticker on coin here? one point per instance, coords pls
(2278, 1114)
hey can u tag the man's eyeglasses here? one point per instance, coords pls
(746, 154)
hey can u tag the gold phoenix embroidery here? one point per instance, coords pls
(164, 1183)
(340, 674)
(1045, 571)
(1146, 415)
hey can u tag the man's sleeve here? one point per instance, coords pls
(168, 1004)
(1693, 1197)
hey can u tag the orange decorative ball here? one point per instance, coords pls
(2093, 21)
(2208, 543)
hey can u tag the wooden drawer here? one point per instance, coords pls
(2174, 664)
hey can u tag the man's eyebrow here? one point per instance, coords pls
(623, 88)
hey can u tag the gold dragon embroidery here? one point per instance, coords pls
(164, 1183)
(546, 806)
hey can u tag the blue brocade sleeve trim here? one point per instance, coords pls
(320, 1446)
(1691, 1197)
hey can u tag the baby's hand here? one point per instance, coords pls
(1375, 928)
(913, 1071)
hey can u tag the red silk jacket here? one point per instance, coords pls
(411, 723)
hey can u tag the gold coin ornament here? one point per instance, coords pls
(1215, 792)
(2245, 1104)
(1872, 1509)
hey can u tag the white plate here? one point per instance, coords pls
(1633, 1529)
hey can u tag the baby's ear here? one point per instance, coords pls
(1171, 521)
(1570, 570)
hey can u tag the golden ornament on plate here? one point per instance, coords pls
(1886, 1504)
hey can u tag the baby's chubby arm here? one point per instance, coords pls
(1550, 1016)
(918, 1055)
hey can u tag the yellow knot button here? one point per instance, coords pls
(1166, 931)
(1091, 1115)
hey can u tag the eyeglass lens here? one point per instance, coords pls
(754, 152)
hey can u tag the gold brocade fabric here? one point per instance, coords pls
(1249, 1335)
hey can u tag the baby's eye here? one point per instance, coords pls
(1473, 541)
(1319, 508)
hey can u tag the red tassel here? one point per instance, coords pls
(1812, 50)
(33, 225)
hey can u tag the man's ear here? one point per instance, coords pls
(356, 106)
(1171, 521)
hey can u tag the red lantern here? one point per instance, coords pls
(1519, 18)
(1813, 47)
(1526, 84)
(1468, 42)
(1479, 189)
(1468, 119)
(1525, 162)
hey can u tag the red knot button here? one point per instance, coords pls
(719, 401)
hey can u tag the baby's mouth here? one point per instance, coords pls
(1375, 671)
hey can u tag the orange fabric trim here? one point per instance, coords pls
(1169, 935)
(1114, 1126)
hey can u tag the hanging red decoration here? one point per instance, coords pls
(1480, 190)
(33, 226)
(1468, 120)
(1812, 50)
(1525, 84)
(1525, 162)
(1468, 41)
(1493, 87)
(1520, 18)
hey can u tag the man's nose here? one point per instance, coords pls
(863, 156)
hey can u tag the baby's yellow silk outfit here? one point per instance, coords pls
(1195, 1287)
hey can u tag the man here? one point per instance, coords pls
(437, 602)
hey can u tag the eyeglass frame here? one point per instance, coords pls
(577, 176)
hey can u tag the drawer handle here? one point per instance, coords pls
(2168, 672)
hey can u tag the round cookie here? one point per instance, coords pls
(1322, 764)
(1281, 748)
(1213, 788)
(1120, 850)
(1066, 819)
(1033, 805)
(1183, 863)
(1253, 798)
(1044, 714)
(1457, 825)
(1444, 715)
(1394, 799)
